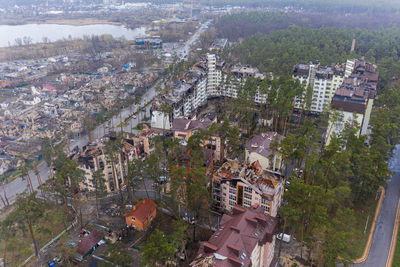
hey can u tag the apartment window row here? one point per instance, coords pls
(232, 197)
(232, 190)
(248, 196)
(265, 201)
(232, 203)
(247, 203)
(248, 189)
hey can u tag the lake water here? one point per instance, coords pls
(55, 32)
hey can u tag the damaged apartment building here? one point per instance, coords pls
(93, 157)
(208, 78)
(247, 185)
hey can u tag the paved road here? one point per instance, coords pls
(183, 52)
(18, 185)
(384, 228)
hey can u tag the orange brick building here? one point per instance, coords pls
(142, 214)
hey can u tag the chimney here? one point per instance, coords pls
(237, 210)
(234, 249)
(235, 261)
(209, 248)
(234, 228)
(353, 45)
(252, 221)
(261, 219)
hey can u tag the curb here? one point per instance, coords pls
(372, 230)
(392, 249)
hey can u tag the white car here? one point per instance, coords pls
(286, 238)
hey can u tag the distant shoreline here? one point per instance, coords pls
(71, 22)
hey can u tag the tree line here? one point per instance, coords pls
(244, 24)
(341, 6)
(280, 50)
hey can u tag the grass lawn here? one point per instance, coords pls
(19, 246)
(396, 259)
(359, 238)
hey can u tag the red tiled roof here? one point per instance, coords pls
(237, 246)
(88, 242)
(142, 210)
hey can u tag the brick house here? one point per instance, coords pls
(141, 215)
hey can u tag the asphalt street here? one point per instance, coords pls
(384, 228)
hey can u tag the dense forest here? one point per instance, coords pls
(245, 24)
(342, 6)
(280, 50)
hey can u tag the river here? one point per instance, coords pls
(55, 32)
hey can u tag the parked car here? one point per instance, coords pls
(286, 238)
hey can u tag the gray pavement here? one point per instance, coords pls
(384, 228)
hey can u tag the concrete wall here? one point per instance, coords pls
(253, 157)
(256, 256)
(268, 252)
(160, 121)
(264, 161)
